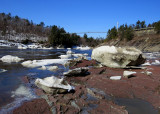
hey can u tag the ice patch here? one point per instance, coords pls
(22, 91)
(115, 77)
(157, 62)
(146, 64)
(21, 94)
(10, 59)
(83, 48)
(65, 56)
(2, 70)
(38, 63)
(50, 68)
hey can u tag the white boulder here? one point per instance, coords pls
(118, 57)
(53, 85)
(10, 59)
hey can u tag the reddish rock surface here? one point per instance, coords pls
(36, 106)
(93, 92)
(85, 63)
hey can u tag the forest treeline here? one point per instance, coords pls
(126, 32)
(57, 36)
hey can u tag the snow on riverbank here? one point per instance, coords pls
(5, 43)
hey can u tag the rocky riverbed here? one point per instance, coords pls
(97, 93)
(83, 85)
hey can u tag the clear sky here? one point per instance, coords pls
(84, 15)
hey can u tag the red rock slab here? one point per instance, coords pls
(141, 86)
(36, 106)
(108, 108)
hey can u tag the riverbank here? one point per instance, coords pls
(97, 93)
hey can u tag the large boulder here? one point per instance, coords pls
(53, 85)
(118, 57)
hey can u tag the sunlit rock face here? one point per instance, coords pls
(118, 57)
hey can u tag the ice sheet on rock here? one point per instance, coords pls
(54, 82)
(115, 77)
(10, 59)
(37, 63)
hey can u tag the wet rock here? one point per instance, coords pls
(77, 72)
(53, 85)
(36, 106)
(128, 74)
(118, 57)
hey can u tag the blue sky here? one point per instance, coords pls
(84, 15)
